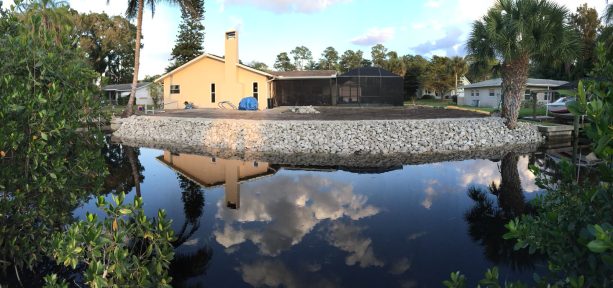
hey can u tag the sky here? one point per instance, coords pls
(269, 27)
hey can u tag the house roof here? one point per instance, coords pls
(368, 72)
(533, 82)
(214, 57)
(304, 74)
(124, 87)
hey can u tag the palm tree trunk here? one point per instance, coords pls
(511, 197)
(134, 165)
(139, 27)
(514, 78)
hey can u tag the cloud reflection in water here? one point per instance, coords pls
(286, 209)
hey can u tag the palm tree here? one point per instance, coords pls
(517, 32)
(459, 67)
(135, 9)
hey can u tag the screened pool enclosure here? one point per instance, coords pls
(357, 87)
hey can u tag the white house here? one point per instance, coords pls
(115, 92)
(488, 93)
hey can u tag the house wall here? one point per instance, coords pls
(485, 100)
(232, 82)
(143, 97)
(195, 85)
(206, 171)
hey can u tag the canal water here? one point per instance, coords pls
(252, 223)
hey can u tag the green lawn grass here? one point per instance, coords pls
(430, 102)
(523, 112)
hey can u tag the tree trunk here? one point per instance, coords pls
(134, 165)
(139, 27)
(514, 78)
(511, 197)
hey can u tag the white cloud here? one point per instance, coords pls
(285, 209)
(450, 44)
(433, 3)
(285, 6)
(400, 266)
(274, 273)
(236, 23)
(348, 238)
(374, 36)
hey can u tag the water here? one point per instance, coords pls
(251, 223)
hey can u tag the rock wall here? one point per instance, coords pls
(342, 138)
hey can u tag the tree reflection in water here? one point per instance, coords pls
(122, 162)
(38, 194)
(486, 219)
(188, 265)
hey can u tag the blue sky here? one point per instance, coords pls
(268, 27)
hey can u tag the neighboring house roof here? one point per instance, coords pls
(310, 74)
(124, 87)
(214, 57)
(368, 72)
(497, 82)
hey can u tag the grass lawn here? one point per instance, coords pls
(523, 112)
(430, 102)
(112, 109)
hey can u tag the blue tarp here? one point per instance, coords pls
(248, 103)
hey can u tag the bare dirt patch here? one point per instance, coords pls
(327, 113)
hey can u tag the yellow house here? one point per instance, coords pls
(209, 80)
(212, 172)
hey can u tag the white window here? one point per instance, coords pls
(492, 92)
(476, 92)
(175, 89)
(472, 92)
(255, 90)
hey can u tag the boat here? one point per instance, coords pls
(559, 106)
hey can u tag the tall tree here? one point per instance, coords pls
(108, 43)
(516, 32)
(259, 66)
(378, 54)
(189, 43)
(135, 10)
(393, 63)
(413, 77)
(438, 75)
(302, 57)
(459, 68)
(350, 60)
(329, 59)
(283, 63)
(587, 24)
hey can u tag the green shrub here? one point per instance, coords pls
(124, 250)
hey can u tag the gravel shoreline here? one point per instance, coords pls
(335, 139)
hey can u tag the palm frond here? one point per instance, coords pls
(537, 29)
